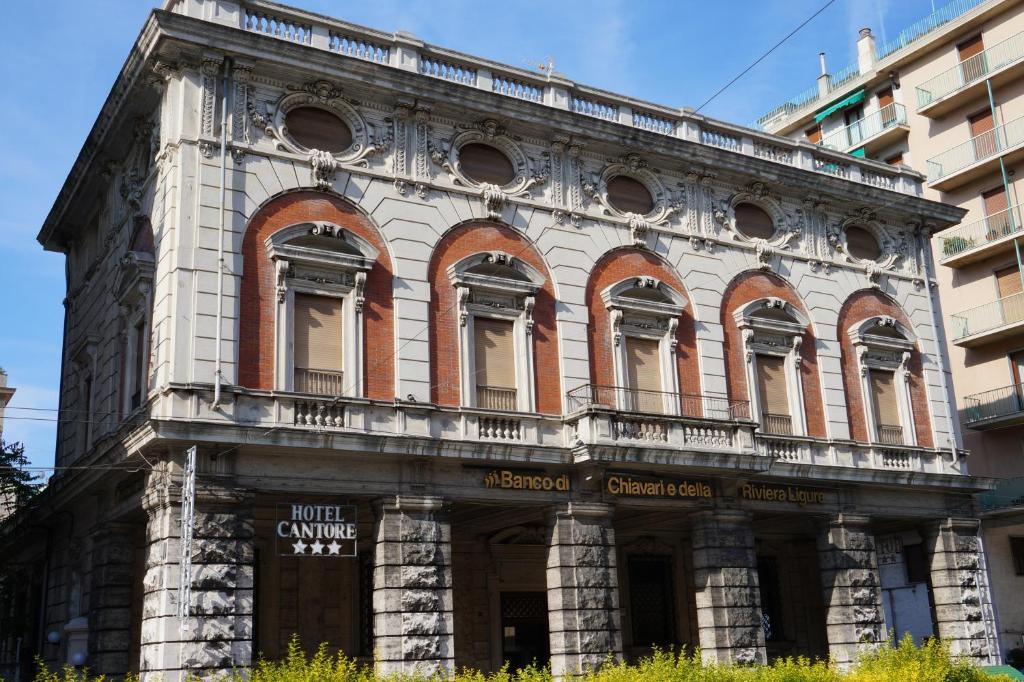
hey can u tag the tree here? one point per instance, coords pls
(17, 486)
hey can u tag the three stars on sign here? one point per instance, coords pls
(317, 547)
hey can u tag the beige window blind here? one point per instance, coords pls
(495, 355)
(883, 391)
(771, 384)
(318, 333)
(1008, 281)
(643, 366)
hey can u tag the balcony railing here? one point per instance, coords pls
(853, 135)
(318, 381)
(889, 434)
(657, 402)
(979, 148)
(982, 232)
(496, 398)
(1008, 493)
(777, 424)
(999, 402)
(971, 70)
(988, 316)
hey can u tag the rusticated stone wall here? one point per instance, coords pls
(851, 586)
(727, 590)
(412, 587)
(954, 550)
(583, 591)
(110, 600)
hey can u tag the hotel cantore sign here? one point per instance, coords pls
(327, 530)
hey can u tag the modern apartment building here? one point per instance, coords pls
(444, 362)
(946, 97)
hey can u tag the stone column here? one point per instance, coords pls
(957, 586)
(728, 593)
(412, 587)
(219, 629)
(110, 599)
(851, 585)
(583, 590)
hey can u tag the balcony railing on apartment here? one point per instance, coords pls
(496, 398)
(318, 381)
(971, 70)
(657, 402)
(853, 135)
(889, 434)
(999, 402)
(989, 316)
(1008, 493)
(978, 148)
(980, 233)
(777, 424)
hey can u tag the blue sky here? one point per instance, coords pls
(58, 60)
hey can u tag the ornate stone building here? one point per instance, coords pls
(479, 365)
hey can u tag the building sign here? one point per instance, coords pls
(761, 492)
(327, 530)
(621, 485)
(505, 479)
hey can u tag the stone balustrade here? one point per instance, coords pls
(405, 52)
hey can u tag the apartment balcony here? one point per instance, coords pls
(989, 322)
(951, 88)
(319, 382)
(625, 399)
(1007, 495)
(873, 132)
(981, 239)
(995, 409)
(977, 156)
(496, 398)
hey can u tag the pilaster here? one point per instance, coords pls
(583, 592)
(728, 593)
(110, 599)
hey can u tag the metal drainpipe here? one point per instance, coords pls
(218, 374)
(1006, 182)
(940, 345)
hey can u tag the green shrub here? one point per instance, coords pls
(904, 662)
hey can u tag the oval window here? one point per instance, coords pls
(629, 196)
(484, 164)
(862, 244)
(315, 128)
(753, 222)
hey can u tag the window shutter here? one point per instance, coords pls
(771, 384)
(813, 134)
(981, 123)
(318, 333)
(1008, 281)
(643, 366)
(970, 47)
(883, 389)
(495, 357)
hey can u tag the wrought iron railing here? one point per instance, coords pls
(978, 148)
(496, 398)
(989, 316)
(889, 116)
(657, 402)
(999, 402)
(318, 381)
(1008, 493)
(982, 232)
(777, 424)
(889, 434)
(971, 70)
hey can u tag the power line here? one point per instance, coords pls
(762, 57)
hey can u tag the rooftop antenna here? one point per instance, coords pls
(545, 66)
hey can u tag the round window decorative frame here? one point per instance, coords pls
(522, 178)
(774, 214)
(518, 170)
(287, 132)
(329, 100)
(632, 167)
(611, 179)
(886, 254)
(757, 194)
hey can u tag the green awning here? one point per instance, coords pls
(1010, 672)
(858, 152)
(847, 101)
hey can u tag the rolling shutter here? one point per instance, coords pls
(318, 333)
(970, 47)
(495, 357)
(883, 390)
(643, 368)
(771, 384)
(1008, 281)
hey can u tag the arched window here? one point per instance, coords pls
(883, 348)
(320, 286)
(773, 332)
(495, 297)
(644, 314)
(134, 288)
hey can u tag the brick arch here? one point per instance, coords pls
(616, 266)
(750, 286)
(465, 240)
(869, 303)
(258, 296)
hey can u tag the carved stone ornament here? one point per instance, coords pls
(494, 200)
(666, 203)
(322, 165)
(527, 174)
(323, 95)
(638, 229)
(787, 228)
(892, 248)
